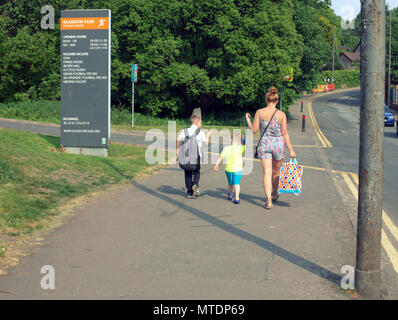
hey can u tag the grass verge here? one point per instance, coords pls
(36, 177)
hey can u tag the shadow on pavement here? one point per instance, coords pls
(287, 255)
(222, 194)
(173, 169)
(349, 101)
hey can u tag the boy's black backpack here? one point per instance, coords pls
(189, 151)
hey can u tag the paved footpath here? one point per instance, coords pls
(146, 241)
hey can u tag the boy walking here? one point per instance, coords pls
(189, 154)
(233, 165)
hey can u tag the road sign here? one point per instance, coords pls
(85, 78)
(289, 77)
(134, 73)
(134, 78)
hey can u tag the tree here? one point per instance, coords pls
(220, 55)
(315, 21)
(394, 44)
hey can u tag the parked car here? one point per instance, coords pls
(389, 118)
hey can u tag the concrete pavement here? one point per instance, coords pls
(148, 242)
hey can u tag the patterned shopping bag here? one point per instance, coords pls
(290, 177)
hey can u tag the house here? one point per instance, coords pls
(347, 58)
(343, 48)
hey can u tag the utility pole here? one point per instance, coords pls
(373, 50)
(389, 66)
(134, 73)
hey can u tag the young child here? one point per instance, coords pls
(192, 175)
(233, 165)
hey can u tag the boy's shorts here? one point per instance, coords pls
(234, 177)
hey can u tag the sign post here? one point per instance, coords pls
(85, 81)
(134, 72)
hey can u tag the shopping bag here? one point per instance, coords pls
(290, 177)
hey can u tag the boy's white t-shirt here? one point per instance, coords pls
(201, 137)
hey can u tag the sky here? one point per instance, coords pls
(349, 9)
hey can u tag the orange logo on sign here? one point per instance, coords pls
(96, 23)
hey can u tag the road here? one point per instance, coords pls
(338, 117)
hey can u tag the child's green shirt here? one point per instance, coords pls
(233, 157)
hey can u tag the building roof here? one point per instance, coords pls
(343, 48)
(352, 56)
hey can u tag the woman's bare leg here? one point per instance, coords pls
(267, 181)
(276, 169)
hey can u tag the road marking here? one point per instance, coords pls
(325, 142)
(350, 185)
(355, 177)
(386, 219)
(388, 223)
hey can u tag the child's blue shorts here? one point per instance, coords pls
(234, 177)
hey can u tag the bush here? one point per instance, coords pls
(31, 110)
(342, 78)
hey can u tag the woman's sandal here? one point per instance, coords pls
(229, 197)
(276, 198)
(267, 206)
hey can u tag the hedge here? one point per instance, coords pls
(342, 78)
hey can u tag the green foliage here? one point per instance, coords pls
(315, 22)
(30, 56)
(220, 55)
(124, 117)
(49, 111)
(351, 37)
(394, 44)
(6, 173)
(215, 54)
(31, 110)
(342, 78)
(35, 177)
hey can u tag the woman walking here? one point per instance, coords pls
(271, 148)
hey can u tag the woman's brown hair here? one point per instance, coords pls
(272, 95)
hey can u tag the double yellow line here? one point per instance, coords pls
(324, 141)
(351, 179)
